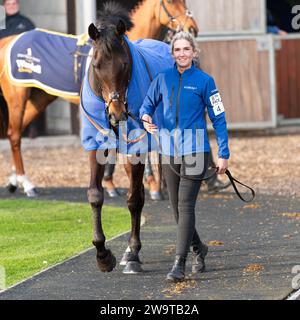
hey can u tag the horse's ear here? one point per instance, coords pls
(93, 32)
(121, 27)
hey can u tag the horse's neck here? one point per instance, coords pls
(146, 24)
(92, 81)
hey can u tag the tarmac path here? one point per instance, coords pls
(252, 250)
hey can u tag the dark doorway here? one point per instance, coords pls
(281, 12)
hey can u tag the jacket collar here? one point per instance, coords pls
(187, 71)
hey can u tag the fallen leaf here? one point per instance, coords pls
(169, 250)
(253, 268)
(178, 288)
(251, 206)
(295, 215)
(215, 243)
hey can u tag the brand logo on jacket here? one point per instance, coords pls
(21, 26)
(190, 88)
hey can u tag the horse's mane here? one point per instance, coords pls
(113, 12)
(107, 22)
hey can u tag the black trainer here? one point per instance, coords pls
(198, 259)
(177, 273)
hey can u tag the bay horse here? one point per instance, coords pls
(112, 93)
(26, 102)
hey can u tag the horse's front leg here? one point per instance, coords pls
(136, 199)
(105, 259)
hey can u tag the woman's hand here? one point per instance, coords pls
(222, 165)
(149, 126)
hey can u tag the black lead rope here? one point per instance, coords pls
(233, 181)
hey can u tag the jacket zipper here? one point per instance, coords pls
(171, 98)
(178, 100)
(177, 114)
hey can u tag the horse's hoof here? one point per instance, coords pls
(127, 256)
(107, 263)
(133, 267)
(32, 193)
(11, 188)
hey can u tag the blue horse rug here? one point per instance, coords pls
(45, 59)
(158, 57)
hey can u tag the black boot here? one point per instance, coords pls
(178, 270)
(198, 256)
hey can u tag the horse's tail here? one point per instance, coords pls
(3, 118)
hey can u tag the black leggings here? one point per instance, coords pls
(183, 195)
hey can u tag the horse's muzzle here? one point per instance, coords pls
(114, 121)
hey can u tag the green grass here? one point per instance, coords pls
(37, 234)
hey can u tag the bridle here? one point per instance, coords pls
(114, 96)
(188, 14)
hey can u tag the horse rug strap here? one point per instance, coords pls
(45, 59)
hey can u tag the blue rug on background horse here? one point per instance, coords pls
(45, 59)
(158, 57)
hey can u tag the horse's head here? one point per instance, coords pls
(175, 15)
(111, 66)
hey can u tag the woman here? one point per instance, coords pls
(182, 94)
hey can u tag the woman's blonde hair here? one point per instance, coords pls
(182, 35)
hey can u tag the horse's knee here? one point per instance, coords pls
(15, 139)
(135, 204)
(95, 197)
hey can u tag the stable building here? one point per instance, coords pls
(257, 73)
